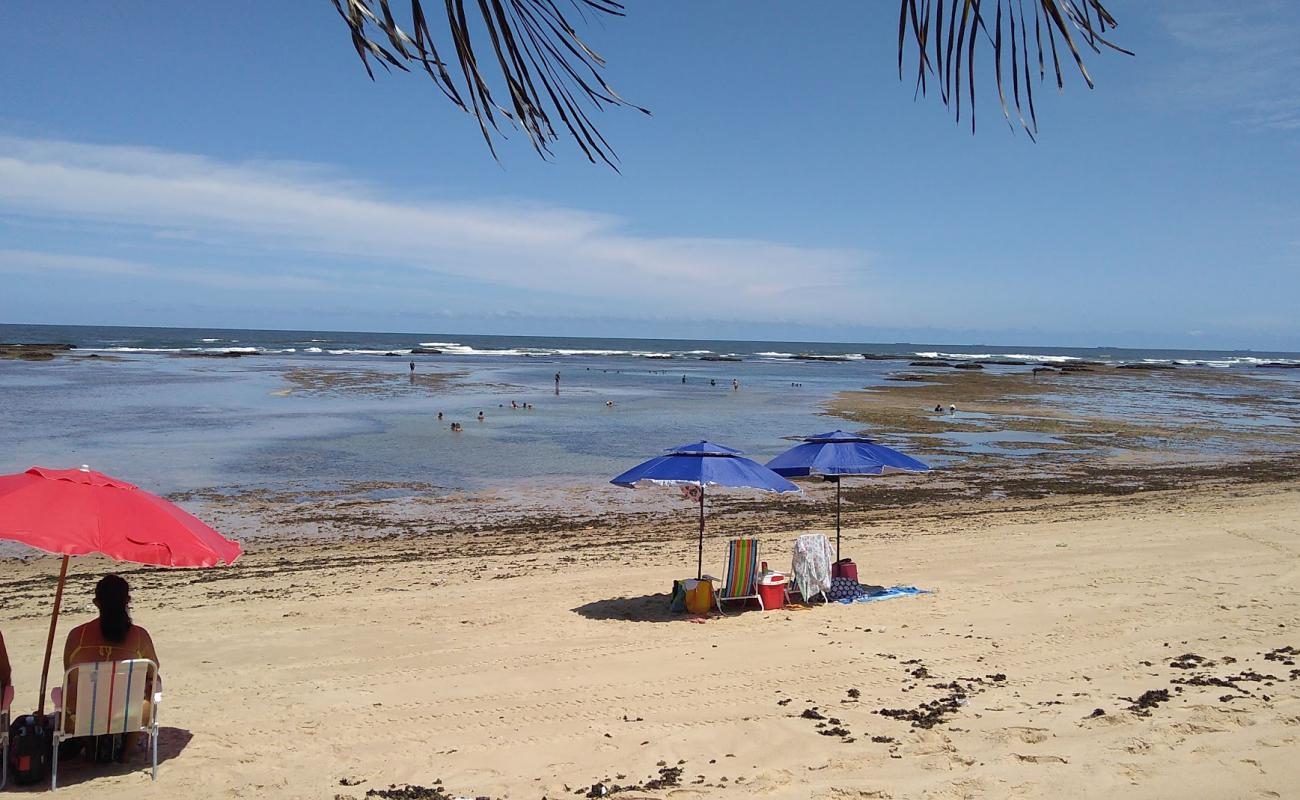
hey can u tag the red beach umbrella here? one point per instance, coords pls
(73, 512)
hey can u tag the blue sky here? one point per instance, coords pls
(230, 164)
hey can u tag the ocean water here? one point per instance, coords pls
(171, 421)
(124, 340)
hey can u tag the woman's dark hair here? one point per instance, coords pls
(112, 595)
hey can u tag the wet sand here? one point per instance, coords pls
(373, 382)
(541, 662)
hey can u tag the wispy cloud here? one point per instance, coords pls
(36, 262)
(304, 217)
(1242, 57)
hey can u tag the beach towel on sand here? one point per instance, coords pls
(812, 563)
(884, 594)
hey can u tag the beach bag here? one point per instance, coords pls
(678, 602)
(699, 596)
(845, 589)
(31, 743)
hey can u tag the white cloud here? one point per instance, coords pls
(34, 262)
(298, 215)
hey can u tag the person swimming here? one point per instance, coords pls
(480, 416)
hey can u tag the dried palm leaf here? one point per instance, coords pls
(922, 23)
(544, 67)
(550, 74)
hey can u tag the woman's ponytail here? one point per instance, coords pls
(112, 596)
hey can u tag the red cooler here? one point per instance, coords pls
(845, 568)
(771, 590)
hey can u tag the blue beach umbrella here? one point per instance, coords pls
(837, 454)
(704, 464)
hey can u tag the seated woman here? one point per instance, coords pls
(112, 637)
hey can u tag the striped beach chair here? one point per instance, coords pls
(742, 573)
(6, 700)
(112, 697)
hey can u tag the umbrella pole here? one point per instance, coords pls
(49, 642)
(837, 519)
(699, 568)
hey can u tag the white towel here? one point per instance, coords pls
(812, 563)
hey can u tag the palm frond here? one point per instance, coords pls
(1005, 26)
(551, 77)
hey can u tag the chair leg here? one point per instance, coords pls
(4, 762)
(54, 771)
(153, 745)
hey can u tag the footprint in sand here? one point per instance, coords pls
(1037, 759)
(1027, 735)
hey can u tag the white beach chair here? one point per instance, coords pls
(6, 700)
(111, 698)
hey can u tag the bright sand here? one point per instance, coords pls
(384, 662)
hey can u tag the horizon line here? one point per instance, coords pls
(648, 338)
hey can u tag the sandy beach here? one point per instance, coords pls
(452, 338)
(542, 665)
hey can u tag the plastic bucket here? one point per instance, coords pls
(771, 590)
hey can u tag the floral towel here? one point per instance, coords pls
(812, 563)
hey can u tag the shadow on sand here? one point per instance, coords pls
(646, 608)
(81, 769)
(650, 608)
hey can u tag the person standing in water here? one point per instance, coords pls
(557, 383)
(412, 366)
(735, 385)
